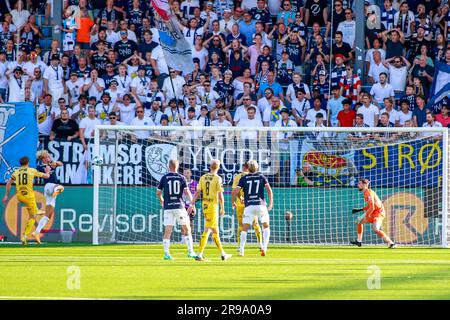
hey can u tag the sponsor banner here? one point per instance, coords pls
(411, 216)
(413, 164)
(18, 136)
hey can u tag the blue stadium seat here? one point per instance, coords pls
(40, 19)
(47, 31)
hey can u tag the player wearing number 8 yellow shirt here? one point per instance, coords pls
(210, 189)
(24, 179)
(238, 204)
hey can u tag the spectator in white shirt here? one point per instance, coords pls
(16, 85)
(74, 87)
(94, 85)
(381, 90)
(173, 88)
(398, 72)
(288, 147)
(54, 79)
(376, 68)
(300, 107)
(140, 84)
(141, 120)
(389, 109)
(242, 111)
(318, 123)
(404, 114)
(348, 28)
(432, 123)
(87, 127)
(312, 113)
(370, 112)
(251, 121)
(154, 112)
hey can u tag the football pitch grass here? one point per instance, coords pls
(55, 271)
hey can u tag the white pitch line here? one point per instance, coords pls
(47, 298)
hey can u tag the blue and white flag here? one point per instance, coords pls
(440, 89)
(18, 136)
(177, 51)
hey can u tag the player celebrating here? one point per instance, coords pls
(174, 185)
(374, 214)
(253, 185)
(238, 204)
(211, 190)
(51, 189)
(24, 178)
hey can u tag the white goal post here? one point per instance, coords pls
(313, 172)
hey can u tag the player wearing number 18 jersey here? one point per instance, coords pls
(253, 185)
(172, 185)
(24, 178)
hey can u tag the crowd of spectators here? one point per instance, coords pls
(257, 63)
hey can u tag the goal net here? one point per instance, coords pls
(313, 172)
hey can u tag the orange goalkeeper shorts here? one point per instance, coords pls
(377, 215)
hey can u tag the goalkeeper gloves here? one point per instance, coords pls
(356, 210)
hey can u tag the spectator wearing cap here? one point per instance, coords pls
(288, 147)
(251, 120)
(165, 134)
(404, 114)
(346, 117)
(74, 88)
(323, 85)
(241, 112)
(64, 127)
(104, 107)
(94, 85)
(208, 14)
(382, 89)
(204, 117)
(173, 85)
(140, 84)
(46, 115)
(175, 113)
(16, 84)
(141, 120)
(80, 110)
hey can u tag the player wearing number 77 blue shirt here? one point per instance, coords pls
(253, 185)
(170, 192)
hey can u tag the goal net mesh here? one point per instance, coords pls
(314, 176)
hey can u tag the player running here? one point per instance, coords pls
(24, 178)
(51, 189)
(374, 214)
(173, 185)
(238, 204)
(253, 185)
(211, 190)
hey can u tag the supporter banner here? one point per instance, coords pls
(413, 164)
(176, 49)
(411, 216)
(18, 136)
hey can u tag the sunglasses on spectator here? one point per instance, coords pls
(140, 111)
(192, 99)
(112, 118)
(348, 13)
(397, 61)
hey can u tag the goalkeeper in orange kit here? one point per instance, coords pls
(374, 214)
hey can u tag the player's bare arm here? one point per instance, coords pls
(270, 195)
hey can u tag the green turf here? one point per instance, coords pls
(139, 272)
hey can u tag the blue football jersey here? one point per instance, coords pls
(172, 186)
(253, 185)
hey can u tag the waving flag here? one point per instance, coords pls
(440, 89)
(176, 49)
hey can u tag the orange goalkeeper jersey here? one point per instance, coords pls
(374, 204)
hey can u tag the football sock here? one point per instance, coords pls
(258, 235)
(29, 226)
(42, 224)
(216, 239)
(243, 240)
(166, 244)
(360, 232)
(189, 243)
(266, 237)
(239, 230)
(203, 241)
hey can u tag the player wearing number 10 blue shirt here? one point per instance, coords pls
(253, 185)
(170, 192)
